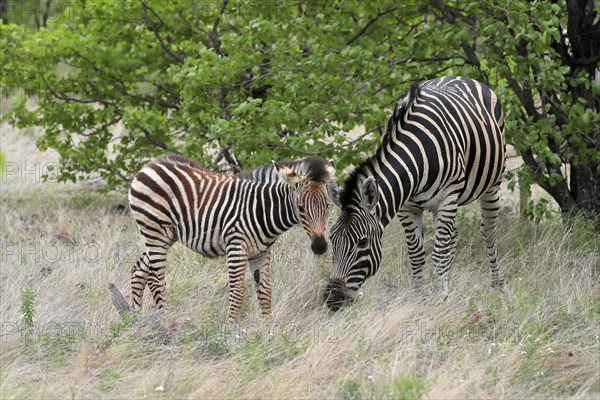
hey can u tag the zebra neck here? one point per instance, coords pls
(395, 183)
(285, 205)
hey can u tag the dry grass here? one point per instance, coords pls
(540, 338)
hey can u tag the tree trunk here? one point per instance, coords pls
(585, 186)
(523, 200)
(4, 11)
(584, 40)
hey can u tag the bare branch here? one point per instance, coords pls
(101, 127)
(368, 24)
(214, 33)
(151, 138)
(452, 14)
(156, 31)
(583, 61)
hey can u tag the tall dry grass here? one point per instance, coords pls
(539, 338)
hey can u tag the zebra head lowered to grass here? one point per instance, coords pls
(214, 214)
(443, 148)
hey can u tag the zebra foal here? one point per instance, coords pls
(443, 148)
(214, 214)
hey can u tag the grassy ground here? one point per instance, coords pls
(61, 337)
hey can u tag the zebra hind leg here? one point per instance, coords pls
(445, 244)
(151, 267)
(412, 223)
(490, 207)
(157, 255)
(139, 278)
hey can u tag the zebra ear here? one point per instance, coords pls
(369, 195)
(333, 190)
(330, 167)
(287, 174)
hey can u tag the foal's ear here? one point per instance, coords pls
(333, 190)
(287, 174)
(369, 194)
(330, 168)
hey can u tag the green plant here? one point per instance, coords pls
(28, 307)
(109, 379)
(2, 166)
(406, 388)
(292, 347)
(254, 357)
(73, 392)
(59, 341)
(351, 390)
(539, 211)
(210, 340)
(115, 330)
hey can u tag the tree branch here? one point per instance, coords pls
(368, 24)
(214, 33)
(452, 14)
(151, 138)
(121, 86)
(101, 127)
(155, 30)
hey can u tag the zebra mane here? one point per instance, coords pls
(311, 167)
(351, 187)
(177, 159)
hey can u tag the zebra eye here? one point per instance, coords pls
(364, 242)
(301, 208)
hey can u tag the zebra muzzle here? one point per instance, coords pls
(319, 244)
(336, 294)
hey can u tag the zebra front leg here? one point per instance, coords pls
(412, 222)
(237, 261)
(445, 244)
(260, 267)
(139, 278)
(490, 207)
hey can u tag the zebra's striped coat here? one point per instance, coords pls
(443, 148)
(214, 214)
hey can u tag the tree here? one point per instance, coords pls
(244, 81)
(542, 57)
(3, 11)
(31, 12)
(247, 81)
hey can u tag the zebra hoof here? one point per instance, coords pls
(498, 285)
(443, 297)
(241, 335)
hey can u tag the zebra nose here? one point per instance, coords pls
(319, 245)
(335, 294)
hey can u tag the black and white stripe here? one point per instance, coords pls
(443, 148)
(214, 214)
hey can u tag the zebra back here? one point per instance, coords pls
(312, 168)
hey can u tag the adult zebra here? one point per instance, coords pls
(214, 214)
(443, 148)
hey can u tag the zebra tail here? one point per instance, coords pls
(122, 306)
